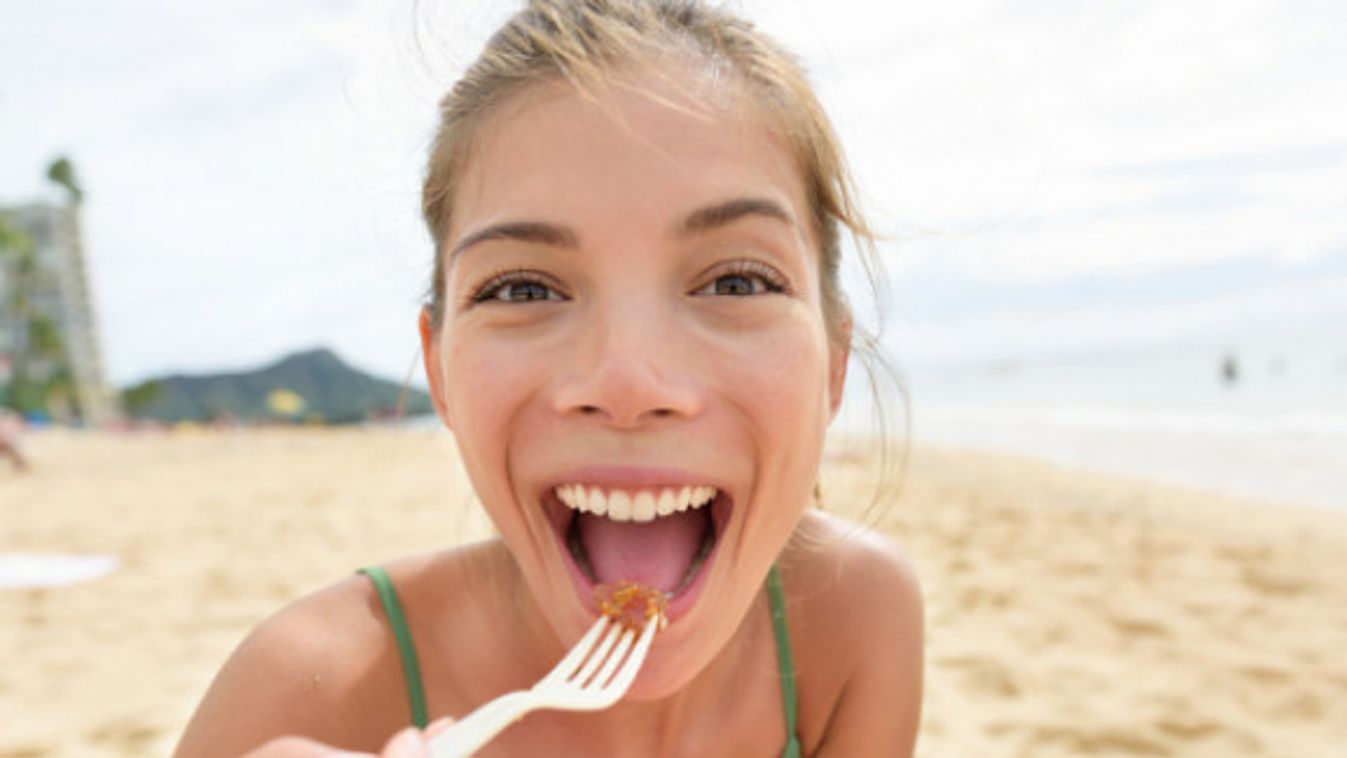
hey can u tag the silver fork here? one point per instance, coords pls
(572, 684)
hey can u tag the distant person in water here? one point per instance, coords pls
(11, 427)
(1229, 369)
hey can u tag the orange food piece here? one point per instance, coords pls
(630, 604)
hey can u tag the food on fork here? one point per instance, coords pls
(631, 604)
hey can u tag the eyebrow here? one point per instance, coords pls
(524, 231)
(715, 216)
(700, 221)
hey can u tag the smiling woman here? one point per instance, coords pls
(636, 337)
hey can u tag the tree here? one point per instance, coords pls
(139, 399)
(62, 173)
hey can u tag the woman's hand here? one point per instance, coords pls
(408, 743)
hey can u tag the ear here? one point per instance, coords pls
(839, 353)
(430, 358)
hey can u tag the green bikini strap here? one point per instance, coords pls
(411, 668)
(783, 659)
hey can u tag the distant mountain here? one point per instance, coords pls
(314, 385)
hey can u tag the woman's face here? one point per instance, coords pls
(632, 316)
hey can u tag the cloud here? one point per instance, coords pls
(1067, 139)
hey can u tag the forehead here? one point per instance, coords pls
(640, 149)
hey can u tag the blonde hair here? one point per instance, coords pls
(583, 41)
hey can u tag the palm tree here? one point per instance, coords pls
(62, 173)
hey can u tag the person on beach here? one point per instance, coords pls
(637, 337)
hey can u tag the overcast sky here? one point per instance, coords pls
(1054, 176)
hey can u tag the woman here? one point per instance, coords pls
(636, 209)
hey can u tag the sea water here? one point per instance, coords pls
(1265, 419)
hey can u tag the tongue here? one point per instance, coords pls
(654, 553)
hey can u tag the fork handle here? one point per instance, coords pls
(478, 727)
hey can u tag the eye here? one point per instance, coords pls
(744, 279)
(515, 287)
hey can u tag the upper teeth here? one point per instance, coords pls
(645, 505)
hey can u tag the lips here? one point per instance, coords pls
(662, 536)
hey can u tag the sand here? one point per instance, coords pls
(1068, 613)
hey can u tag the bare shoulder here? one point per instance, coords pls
(863, 603)
(317, 668)
(852, 573)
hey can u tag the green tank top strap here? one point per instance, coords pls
(411, 667)
(784, 662)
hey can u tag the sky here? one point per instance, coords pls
(1050, 177)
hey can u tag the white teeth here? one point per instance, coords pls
(598, 504)
(641, 506)
(568, 494)
(667, 502)
(619, 506)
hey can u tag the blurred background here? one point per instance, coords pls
(1101, 221)
(1114, 241)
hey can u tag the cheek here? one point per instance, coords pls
(781, 377)
(487, 383)
(485, 379)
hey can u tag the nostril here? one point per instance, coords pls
(594, 410)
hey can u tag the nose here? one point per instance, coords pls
(629, 369)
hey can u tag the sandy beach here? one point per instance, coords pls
(1068, 613)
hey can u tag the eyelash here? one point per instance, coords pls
(493, 286)
(772, 280)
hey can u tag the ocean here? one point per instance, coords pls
(1261, 419)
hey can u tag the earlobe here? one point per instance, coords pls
(430, 358)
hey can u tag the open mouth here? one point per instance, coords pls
(661, 537)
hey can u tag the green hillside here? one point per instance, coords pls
(312, 386)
